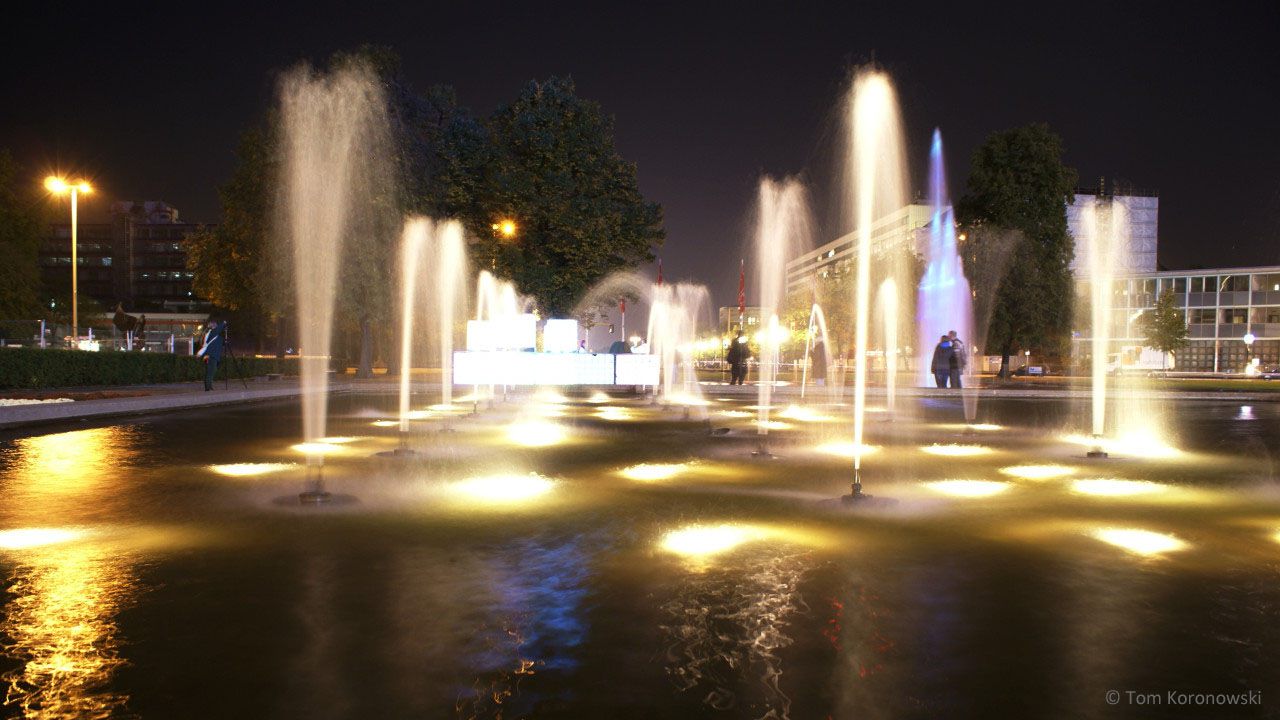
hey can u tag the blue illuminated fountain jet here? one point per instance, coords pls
(944, 302)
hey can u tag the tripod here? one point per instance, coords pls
(235, 362)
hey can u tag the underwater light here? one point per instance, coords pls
(653, 471)
(1109, 487)
(536, 433)
(550, 396)
(503, 488)
(1141, 542)
(735, 414)
(317, 448)
(386, 423)
(599, 397)
(1037, 472)
(611, 412)
(985, 427)
(773, 425)
(708, 540)
(956, 450)
(804, 414)
(968, 488)
(684, 398)
(23, 538)
(249, 469)
(1134, 444)
(338, 440)
(845, 449)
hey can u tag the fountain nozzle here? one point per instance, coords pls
(1097, 452)
(315, 493)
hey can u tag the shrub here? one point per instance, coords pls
(35, 368)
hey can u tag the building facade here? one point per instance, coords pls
(1142, 215)
(1223, 308)
(138, 259)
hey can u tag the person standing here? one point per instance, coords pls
(737, 358)
(818, 355)
(941, 364)
(959, 359)
(211, 350)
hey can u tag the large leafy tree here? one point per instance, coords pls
(1019, 182)
(576, 203)
(19, 245)
(1165, 326)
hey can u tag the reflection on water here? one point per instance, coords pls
(534, 625)
(60, 627)
(725, 630)
(49, 476)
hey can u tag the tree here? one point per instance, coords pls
(1165, 327)
(232, 263)
(1018, 182)
(575, 201)
(19, 246)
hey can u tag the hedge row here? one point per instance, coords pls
(35, 368)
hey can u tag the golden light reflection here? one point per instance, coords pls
(802, 413)
(653, 471)
(612, 412)
(23, 538)
(773, 425)
(72, 462)
(684, 398)
(547, 395)
(1110, 487)
(702, 541)
(985, 427)
(1135, 444)
(845, 449)
(1038, 472)
(599, 397)
(60, 628)
(536, 433)
(968, 488)
(955, 450)
(249, 469)
(1140, 542)
(338, 440)
(317, 448)
(735, 414)
(511, 488)
(386, 423)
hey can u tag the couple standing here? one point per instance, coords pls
(949, 360)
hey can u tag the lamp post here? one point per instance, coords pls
(59, 186)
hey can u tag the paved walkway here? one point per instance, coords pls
(141, 399)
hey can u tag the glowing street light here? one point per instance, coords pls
(505, 228)
(60, 186)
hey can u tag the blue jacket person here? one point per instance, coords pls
(211, 350)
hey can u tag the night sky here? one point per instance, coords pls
(149, 100)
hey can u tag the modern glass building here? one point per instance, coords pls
(1223, 308)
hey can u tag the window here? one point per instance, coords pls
(1234, 316)
(1202, 316)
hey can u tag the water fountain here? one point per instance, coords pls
(782, 231)
(944, 301)
(334, 143)
(875, 174)
(817, 328)
(1100, 223)
(675, 312)
(435, 254)
(887, 299)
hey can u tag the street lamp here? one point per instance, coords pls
(1248, 344)
(505, 228)
(60, 186)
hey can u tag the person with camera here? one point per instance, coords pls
(211, 350)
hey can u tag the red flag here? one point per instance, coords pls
(742, 290)
(622, 305)
(659, 271)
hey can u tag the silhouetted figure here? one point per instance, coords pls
(818, 355)
(737, 359)
(211, 350)
(943, 355)
(959, 359)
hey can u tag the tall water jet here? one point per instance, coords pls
(782, 230)
(817, 328)
(675, 312)
(1103, 224)
(436, 254)
(875, 174)
(944, 301)
(334, 143)
(887, 299)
